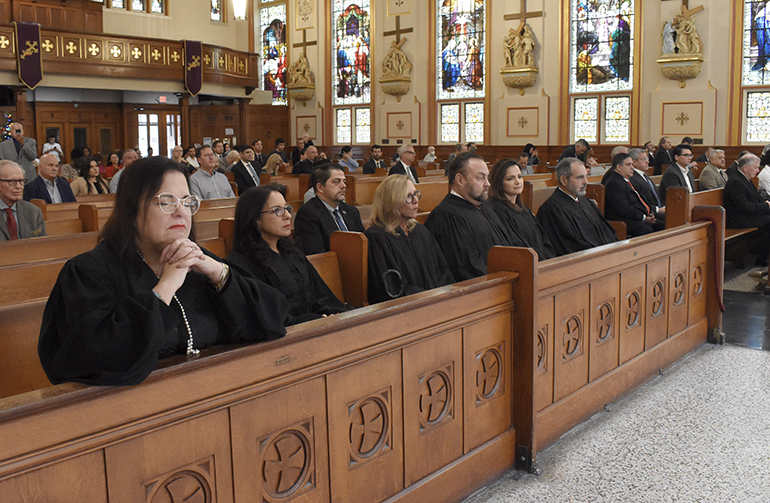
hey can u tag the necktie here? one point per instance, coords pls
(654, 189)
(11, 221)
(253, 174)
(340, 222)
(640, 197)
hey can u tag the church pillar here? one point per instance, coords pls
(243, 120)
(20, 93)
(184, 101)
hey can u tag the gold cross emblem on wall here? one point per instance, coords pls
(136, 53)
(207, 59)
(4, 42)
(156, 54)
(175, 56)
(47, 45)
(116, 51)
(94, 49)
(71, 47)
(682, 118)
(523, 122)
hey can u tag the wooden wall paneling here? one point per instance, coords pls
(657, 302)
(678, 286)
(284, 454)
(697, 291)
(82, 16)
(544, 354)
(603, 321)
(6, 11)
(487, 387)
(191, 457)
(632, 313)
(365, 429)
(570, 352)
(433, 421)
(82, 476)
(267, 123)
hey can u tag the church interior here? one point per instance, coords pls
(496, 380)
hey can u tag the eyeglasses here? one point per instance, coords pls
(409, 152)
(14, 183)
(280, 210)
(686, 155)
(169, 203)
(413, 197)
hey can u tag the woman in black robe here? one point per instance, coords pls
(404, 257)
(262, 249)
(147, 291)
(506, 185)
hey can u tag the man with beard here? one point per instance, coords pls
(570, 220)
(375, 161)
(464, 224)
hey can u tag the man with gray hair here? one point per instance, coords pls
(129, 156)
(570, 220)
(20, 219)
(403, 166)
(21, 150)
(575, 150)
(745, 207)
(644, 185)
(713, 175)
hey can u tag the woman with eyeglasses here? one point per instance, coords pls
(404, 257)
(262, 248)
(148, 291)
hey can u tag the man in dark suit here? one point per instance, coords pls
(403, 166)
(20, 219)
(623, 202)
(259, 157)
(245, 174)
(663, 155)
(644, 185)
(318, 218)
(48, 186)
(649, 148)
(679, 174)
(746, 208)
(575, 150)
(305, 165)
(375, 161)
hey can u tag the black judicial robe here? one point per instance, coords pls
(103, 324)
(294, 276)
(465, 233)
(573, 226)
(524, 227)
(415, 256)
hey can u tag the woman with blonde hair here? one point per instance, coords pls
(274, 162)
(404, 257)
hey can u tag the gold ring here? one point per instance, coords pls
(180, 247)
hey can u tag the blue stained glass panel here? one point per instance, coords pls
(351, 75)
(273, 26)
(461, 41)
(756, 43)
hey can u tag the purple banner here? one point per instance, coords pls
(28, 57)
(193, 69)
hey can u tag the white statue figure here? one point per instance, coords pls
(396, 64)
(510, 42)
(687, 39)
(528, 46)
(300, 74)
(668, 37)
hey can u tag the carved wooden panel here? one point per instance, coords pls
(365, 429)
(188, 461)
(544, 354)
(570, 352)
(433, 424)
(603, 326)
(487, 394)
(657, 302)
(283, 455)
(678, 288)
(697, 287)
(82, 476)
(633, 295)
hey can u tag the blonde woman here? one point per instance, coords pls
(404, 258)
(274, 162)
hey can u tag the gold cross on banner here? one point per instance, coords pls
(305, 43)
(523, 15)
(398, 31)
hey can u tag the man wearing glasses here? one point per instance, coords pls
(403, 166)
(207, 182)
(679, 173)
(20, 218)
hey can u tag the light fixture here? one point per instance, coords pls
(239, 9)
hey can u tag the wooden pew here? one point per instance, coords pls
(206, 221)
(67, 211)
(212, 422)
(45, 248)
(296, 185)
(594, 325)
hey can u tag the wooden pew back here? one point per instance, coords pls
(46, 248)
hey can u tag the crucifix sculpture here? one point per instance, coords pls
(305, 43)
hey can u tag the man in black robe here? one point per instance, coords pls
(745, 207)
(464, 224)
(570, 220)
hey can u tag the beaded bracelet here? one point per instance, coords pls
(220, 283)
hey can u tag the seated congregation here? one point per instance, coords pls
(425, 341)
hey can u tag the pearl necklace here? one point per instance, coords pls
(190, 349)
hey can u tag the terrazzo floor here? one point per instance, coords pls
(698, 433)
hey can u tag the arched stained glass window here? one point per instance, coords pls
(461, 42)
(602, 45)
(273, 29)
(351, 58)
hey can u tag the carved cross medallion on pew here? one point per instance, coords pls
(305, 43)
(397, 32)
(523, 15)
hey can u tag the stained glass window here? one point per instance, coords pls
(216, 10)
(461, 39)
(363, 125)
(617, 119)
(117, 4)
(756, 42)
(156, 6)
(585, 120)
(351, 57)
(758, 117)
(602, 45)
(137, 5)
(474, 122)
(344, 126)
(450, 123)
(273, 28)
